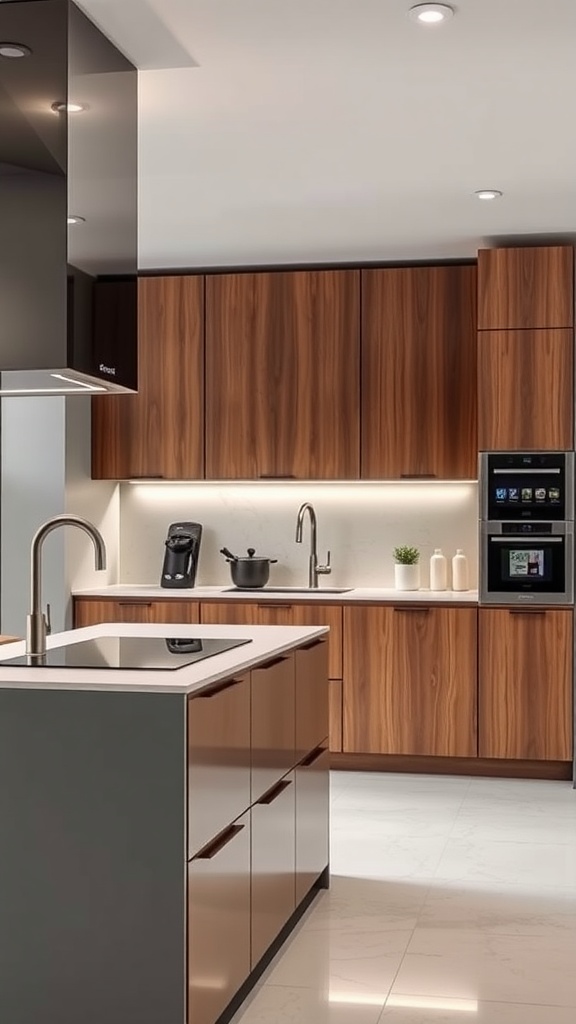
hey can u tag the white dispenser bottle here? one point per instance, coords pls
(460, 571)
(438, 570)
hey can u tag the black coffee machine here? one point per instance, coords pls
(181, 555)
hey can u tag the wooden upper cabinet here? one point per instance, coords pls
(525, 684)
(410, 680)
(282, 375)
(419, 372)
(158, 432)
(525, 390)
(530, 287)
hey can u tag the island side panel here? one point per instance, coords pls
(92, 857)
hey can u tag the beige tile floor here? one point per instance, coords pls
(452, 900)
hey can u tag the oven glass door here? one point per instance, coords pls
(532, 564)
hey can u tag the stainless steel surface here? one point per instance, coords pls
(218, 923)
(273, 723)
(312, 818)
(36, 621)
(491, 532)
(273, 864)
(288, 590)
(569, 482)
(218, 759)
(314, 569)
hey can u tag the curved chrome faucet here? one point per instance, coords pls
(36, 626)
(314, 570)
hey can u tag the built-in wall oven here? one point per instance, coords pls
(527, 528)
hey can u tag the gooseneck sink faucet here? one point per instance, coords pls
(314, 570)
(36, 622)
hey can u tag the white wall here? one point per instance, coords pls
(359, 522)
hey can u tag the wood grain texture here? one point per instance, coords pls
(158, 432)
(525, 390)
(530, 287)
(490, 767)
(410, 681)
(525, 684)
(89, 612)
(282, 375)
(419, 372)
(335, 712)
(283, 613)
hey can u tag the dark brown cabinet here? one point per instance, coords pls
(312, 780)
(158, 432)
(273, 723)
(91, 611)
(282, 375)
(525, 683)
(419, 373)
(311, 696)
(410, 680)
(273, 863)
(525, 389)
(528, 287)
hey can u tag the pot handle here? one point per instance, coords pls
(228, 554)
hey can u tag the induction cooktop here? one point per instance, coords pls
(128, 652)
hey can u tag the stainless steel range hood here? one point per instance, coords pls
(68, 203)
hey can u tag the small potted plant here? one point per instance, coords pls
(407, 568)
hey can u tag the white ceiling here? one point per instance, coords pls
(335, 130)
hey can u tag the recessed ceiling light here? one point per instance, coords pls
(488, 193)
(431, 14)
(69, 108)
(74, 219)
(14, 50)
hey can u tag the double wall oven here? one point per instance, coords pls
(527, 528)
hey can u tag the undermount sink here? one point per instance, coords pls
(290, 590)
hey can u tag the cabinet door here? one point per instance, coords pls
(282, 375)
(410, 680)
(218, 922)
(273, 722)
(158, 432)
(89, 612)
(419, 373)
(525, 684)
(527, 287)
(525, 390)
(311, 696)
(312, 819)
(273, 864)
(218, 758)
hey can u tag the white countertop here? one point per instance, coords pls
(267, 642)
(135, 592)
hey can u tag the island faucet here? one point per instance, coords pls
(314, 570)
(36, 625)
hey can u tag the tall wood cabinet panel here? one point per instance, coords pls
(525, 389)
(419, 372)
(158, 432)
(526, 287)
(410, 680)
(282, 375)
(525, 684)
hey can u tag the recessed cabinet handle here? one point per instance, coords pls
(276, 476)
(526, 611)
(310, 646)
(418, 476)
(401, 608)
(213, 691)
(312, 757)
(273, 604)
(271, 664)
(219, 843)
(135, 604)
(275, 792)
(146, 476)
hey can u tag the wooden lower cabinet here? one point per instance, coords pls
(219, 922)
(410, 680)
(273, 863)
(312, 818)
(335, 715)
(525, 683)
(89, 611)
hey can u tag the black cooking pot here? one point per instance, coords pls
(248, 572)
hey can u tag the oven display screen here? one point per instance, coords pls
(524, 562)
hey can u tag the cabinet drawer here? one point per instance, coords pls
(273, 863)
(311, 696)
(90, 613)
(273, 723)
(312, 819)
(218, 758)
(218, 922)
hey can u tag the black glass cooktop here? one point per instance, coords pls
(130, 652)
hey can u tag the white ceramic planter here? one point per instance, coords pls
(407, 577)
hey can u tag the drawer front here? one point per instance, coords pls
(90, 613)
(218, 923)
(312, 819)
(273, 863)
(311, 696)
(273, 723)
(218, 758)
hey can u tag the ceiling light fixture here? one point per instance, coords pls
(431, 14)
(14, 50)
(488, 193)
(75, 219)
(67, 108)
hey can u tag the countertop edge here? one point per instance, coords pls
(356, 595)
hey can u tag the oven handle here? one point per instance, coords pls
(514, 538)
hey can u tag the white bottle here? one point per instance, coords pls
(438, 570)
(459, 571)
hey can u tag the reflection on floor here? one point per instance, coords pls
(452, 900)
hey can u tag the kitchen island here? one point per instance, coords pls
(160, 830)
